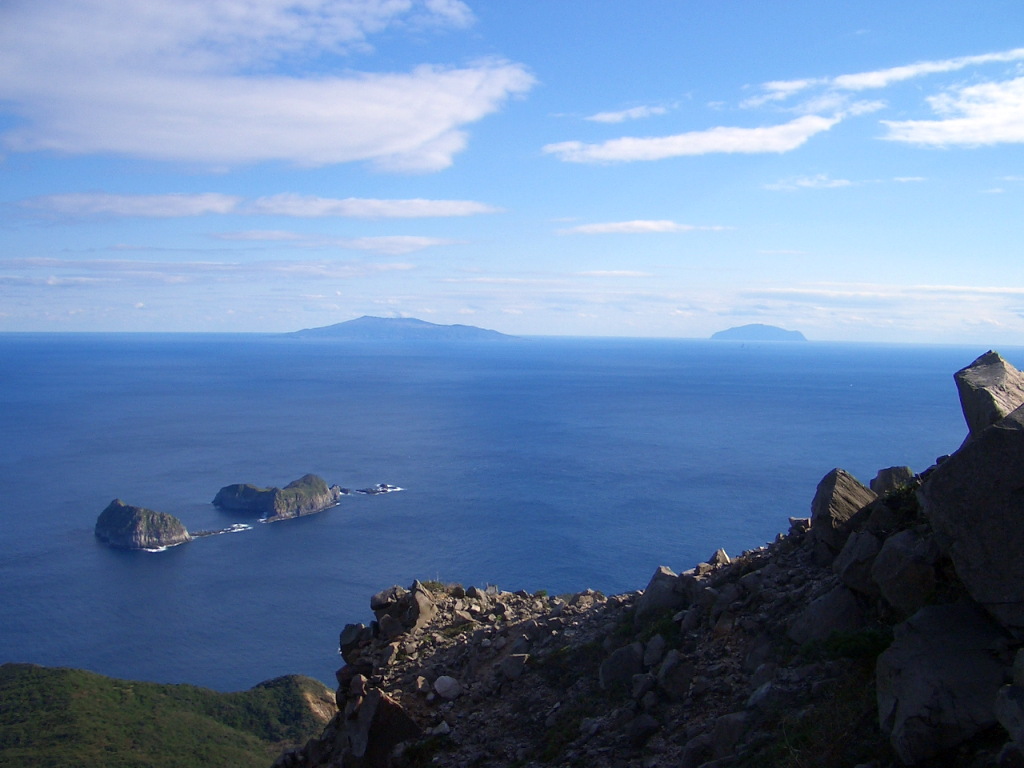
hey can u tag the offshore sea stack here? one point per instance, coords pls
(886, 629)
(126, 527)
(305, 496)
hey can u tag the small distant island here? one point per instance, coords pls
(369, 328)
(126, 527)
(758, 332)
(306, 496)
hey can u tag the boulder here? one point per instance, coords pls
(513, 665)
(350, 637)
(975, 502)
(854, 563)
(838, 498)
(421, 608)
(719, 558)
(990, 389)
(391, 627)
(891, 478)
(661, 595)
(447, 687)
(379, 727)
(937, 682)
(387, 601)
(729, 729)
(1009, 711)
(641, 728)
(675, 675)
(904, 570)
(621, 665)
(654, 651)
(835, 611)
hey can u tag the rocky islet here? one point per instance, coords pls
(306, 496)
(127, 527)
(885, 629)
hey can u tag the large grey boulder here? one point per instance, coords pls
(938, 680)
(662, 594)
(838, 498)
(835, 611)
(854, 563)
(891, 478)
(904, 570)
(975, 502)
(990, 389)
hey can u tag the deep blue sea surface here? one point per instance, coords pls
(542, 463)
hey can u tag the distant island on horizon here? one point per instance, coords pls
(758, 332)
(369, 328)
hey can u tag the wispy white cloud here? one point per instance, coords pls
(637, 226)
(366, 208)
(909, 179)
(394, 245)
(150, 206)
(615, 273)
(780, 90)
(70, 272)
(983, 114)
(880, 78)
(636, 113)
(287, 204)
(820, 181)
(258, 235)
(776, 138)
(204, 81)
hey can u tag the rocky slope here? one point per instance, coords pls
(126, 527)
(305, 496)
(885, 629)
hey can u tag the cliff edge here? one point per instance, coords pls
(126, 527)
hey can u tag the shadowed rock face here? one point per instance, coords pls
(990, 389)
(975, 502)
(937, 682)
(126, 527)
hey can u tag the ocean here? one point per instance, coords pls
(538, 463)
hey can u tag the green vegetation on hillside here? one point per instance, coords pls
(69, 718)
(301, 492)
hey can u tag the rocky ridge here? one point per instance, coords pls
(885, 629)
(126, 527)
(306, 496)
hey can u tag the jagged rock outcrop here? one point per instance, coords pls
(126, 527)
(937, 682)
(838, 498)
(990, 389)
(305, 496)
(975, 502)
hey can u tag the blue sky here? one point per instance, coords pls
(852, 170)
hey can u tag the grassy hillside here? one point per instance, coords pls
(68, 718)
